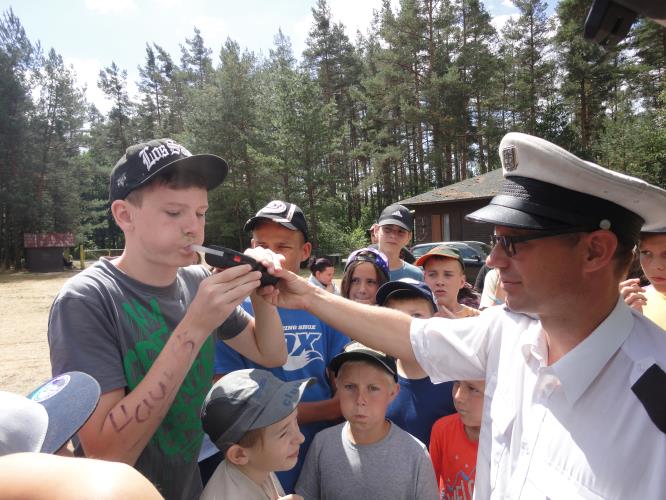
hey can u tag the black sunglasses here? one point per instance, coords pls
(509, 242)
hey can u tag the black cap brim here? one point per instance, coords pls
(211, 167)
(394, 222)
(361, 355)
(252, 222)
(512, 217)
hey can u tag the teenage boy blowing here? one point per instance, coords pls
(454, 442)
(311, 343)
(141, 323)
(250, 415)
(367, 456)
(444, 273)
(393, 231)
(420, 402)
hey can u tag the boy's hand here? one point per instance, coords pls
(633, 294)
(444, 312)
(219, 294)
(273, 263)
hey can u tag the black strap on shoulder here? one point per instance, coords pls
(650, 389)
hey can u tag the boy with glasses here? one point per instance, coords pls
(574, 377)
(393, 231)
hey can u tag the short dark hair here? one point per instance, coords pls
(320, 264)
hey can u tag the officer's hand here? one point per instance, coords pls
(633, 294)
(294, 291)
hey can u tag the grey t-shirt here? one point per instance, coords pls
(397, 467)
(113, 327)
(406, 271)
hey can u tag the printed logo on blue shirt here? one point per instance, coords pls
(301, 349)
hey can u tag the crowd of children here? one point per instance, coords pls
(296, 410)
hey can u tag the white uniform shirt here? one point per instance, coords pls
(570, 430)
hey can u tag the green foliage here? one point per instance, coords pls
(419, 101)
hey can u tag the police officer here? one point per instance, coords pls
(574, 378)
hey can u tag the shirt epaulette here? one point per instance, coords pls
(649, 389)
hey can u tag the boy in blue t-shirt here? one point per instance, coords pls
(311, 344)
(420, 402)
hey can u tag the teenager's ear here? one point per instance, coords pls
(306, 251)
(122, 214)
(237, 455)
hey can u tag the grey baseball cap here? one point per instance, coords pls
(48, 418)
(245, 400)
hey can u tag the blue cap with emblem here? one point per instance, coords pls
(546, 188)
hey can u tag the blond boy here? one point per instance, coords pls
(367, 456)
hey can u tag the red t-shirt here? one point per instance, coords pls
(454, 458)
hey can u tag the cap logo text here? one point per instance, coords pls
(151, 155)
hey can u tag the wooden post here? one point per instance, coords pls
(82, 257)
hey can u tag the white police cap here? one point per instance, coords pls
(547, 188)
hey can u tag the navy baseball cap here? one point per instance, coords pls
(142, 162)
(408, 286)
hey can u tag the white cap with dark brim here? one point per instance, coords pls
(548, 188)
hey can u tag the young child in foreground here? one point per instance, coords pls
(454, 441)
(420, 402)
(250, 415)
(367, 456)
(444, 273)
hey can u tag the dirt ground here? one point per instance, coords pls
(25, 300)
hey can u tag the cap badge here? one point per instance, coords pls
(509, 158)
(397, 214)
(122, 180)
(605, 224)
(50, 389)
(274, 207)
